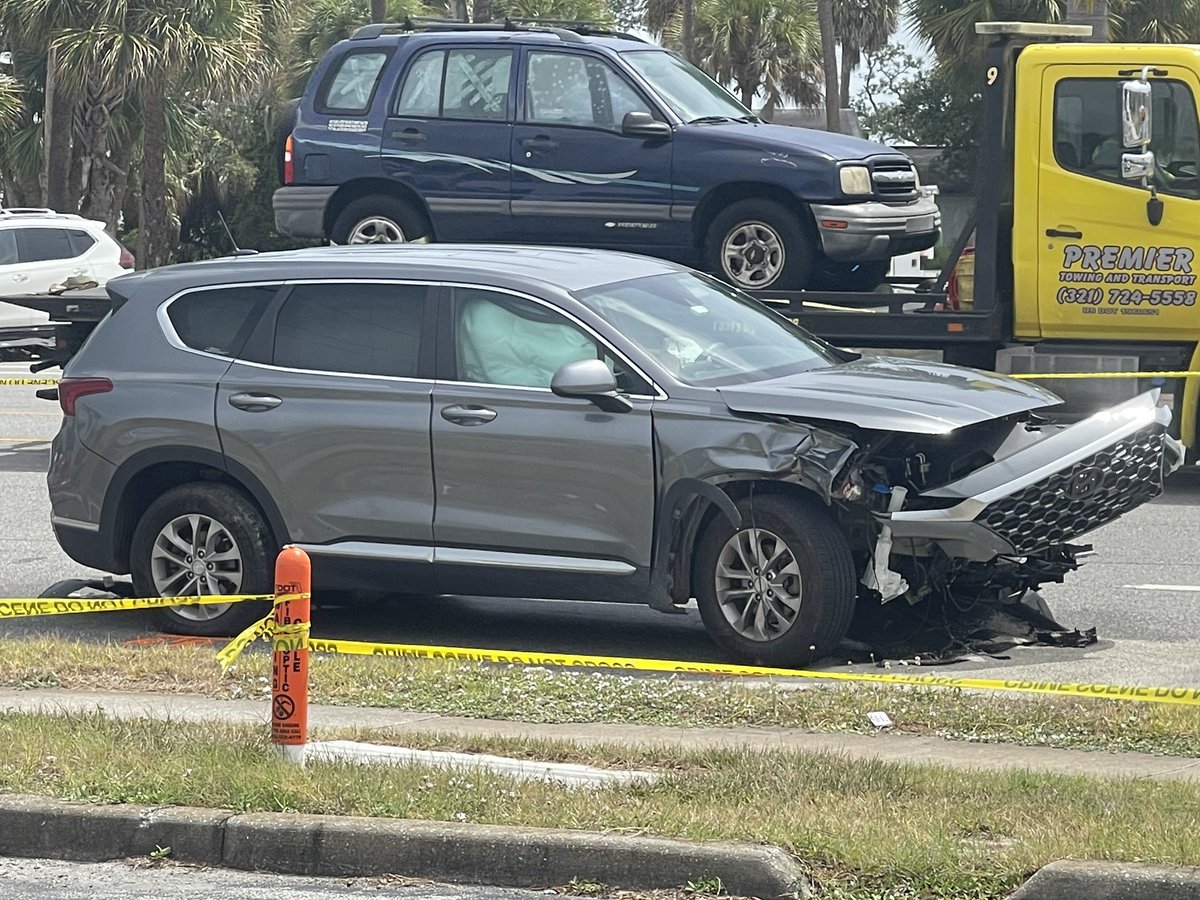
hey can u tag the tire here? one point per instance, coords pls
(771, 241)
(379, 219)
(825, 586)
(158, 566)
(853, 277)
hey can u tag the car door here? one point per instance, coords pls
(448, 138)
(533, 489)
(576, 178)
(328, 408)
(47, 255)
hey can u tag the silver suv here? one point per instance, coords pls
(559, 423)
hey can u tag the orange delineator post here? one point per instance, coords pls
(289, 683)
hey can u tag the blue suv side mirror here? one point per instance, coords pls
(644, 125)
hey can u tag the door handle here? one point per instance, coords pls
(411, 136)
(1056, 232)
(541, 142)
(468, 415)
(254, 402)
(20, 276)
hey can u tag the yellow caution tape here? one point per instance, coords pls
(1036, 375)
(1186, 696)
(20, 608)
(37, 381)
(284, 638)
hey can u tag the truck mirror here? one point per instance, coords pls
(1136, 166)
(1135, 113)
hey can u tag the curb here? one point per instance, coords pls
(1073, 880)
(353, 846)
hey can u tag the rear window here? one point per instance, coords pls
(361, 329)
(81, 241)
(351, 85)
(220, 320)
(471, 83)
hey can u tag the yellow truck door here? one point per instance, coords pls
(1103, 271)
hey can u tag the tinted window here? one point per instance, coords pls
(476, 84)
(8, 247)
(81, 241)
(37, 244)
(422, 90)
(366, 329)
(568, 89)
(352, 85)
(1087, 132)
(220, 320)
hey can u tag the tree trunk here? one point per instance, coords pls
(99, 171)
(57, 140)
(482, 11)
(687, 32)
(833, 118)
(122, 159)
(848, 62)
(1089, 12)
(155, 231)
(379, 10)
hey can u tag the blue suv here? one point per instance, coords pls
(538, 134)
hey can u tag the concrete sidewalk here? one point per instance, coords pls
(887, 746)
(40, 827)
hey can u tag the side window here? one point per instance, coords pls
(500, 339)
(81, 241)
(476, 84)
(364, 329)
(351, 86)
(220, 320)
(567, 89)
(8, 247)
(422, 90)
(1087, 132)
(39, 244)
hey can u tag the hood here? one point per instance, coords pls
(887, 394)
(788, 138)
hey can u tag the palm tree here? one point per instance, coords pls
(151, 49)
(761, 47)
(11, 103)
(320, 24)
(833, 115)
(1156, 21)
(862, 26)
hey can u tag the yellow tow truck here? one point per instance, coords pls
(1086, 230)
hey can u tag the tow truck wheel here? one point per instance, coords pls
(203, 539)
(756, 244)
(780, 589)
(380, 219)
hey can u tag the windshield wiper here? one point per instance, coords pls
(749, 120)
(710, 120)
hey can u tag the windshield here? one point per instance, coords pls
(704, 332)
(688, 91)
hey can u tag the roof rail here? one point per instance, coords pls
(27, 211)
(424, 23)
(587, 29)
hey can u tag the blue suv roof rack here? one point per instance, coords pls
(421, 23)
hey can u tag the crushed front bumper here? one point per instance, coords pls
(854, 232)
(1049, 491)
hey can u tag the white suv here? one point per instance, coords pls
(40, 248)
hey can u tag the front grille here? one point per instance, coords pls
(1091, 493)
(894, 179)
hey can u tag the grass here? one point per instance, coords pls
(544, 696)
(865, 830)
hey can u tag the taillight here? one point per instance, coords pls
(71, 389)
(288, 169)
(126, 261)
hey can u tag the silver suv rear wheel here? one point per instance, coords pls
(196, 554)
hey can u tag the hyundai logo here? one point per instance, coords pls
(1084, 483)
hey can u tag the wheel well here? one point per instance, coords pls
(698, 515)
(366, 187)
(722, 196)
(150, 483)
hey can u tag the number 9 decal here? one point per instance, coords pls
(992, 74)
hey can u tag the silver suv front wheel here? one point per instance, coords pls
(203, 539)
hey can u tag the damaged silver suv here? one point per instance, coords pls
(577, 424)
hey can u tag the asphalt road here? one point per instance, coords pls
(46, 879)
(1141, 590)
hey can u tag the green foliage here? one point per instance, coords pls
(595, 11)
(11, 102)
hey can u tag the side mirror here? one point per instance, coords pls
(1136, 166)
(590, 379)
(644, 125)
(1135, 113)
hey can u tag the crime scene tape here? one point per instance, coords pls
(1184, 696)
(284, 638)
(45, 382)
(24, 607)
